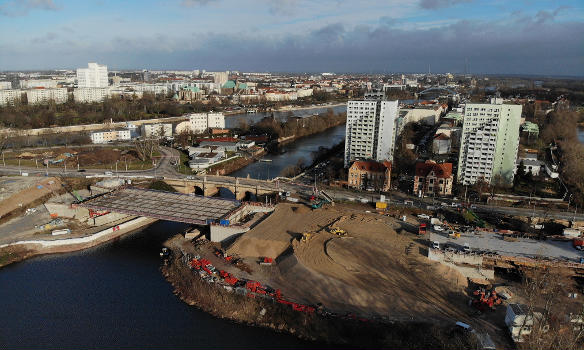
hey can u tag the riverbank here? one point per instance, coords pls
(309, 323)
(18, 251)
(286, 108)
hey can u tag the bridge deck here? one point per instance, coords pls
(163, 205)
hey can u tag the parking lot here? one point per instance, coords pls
(522, 247)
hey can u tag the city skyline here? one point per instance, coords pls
(296, 36)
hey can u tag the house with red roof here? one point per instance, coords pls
(370, 175)
(432, 179)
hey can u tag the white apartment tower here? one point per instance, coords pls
(220, 78)
(489, 143)
(370, 130)
(94, 76)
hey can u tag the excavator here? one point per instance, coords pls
(337, 231)
(454, 234)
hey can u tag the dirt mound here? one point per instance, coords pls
(300, 209)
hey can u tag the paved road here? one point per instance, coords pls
(166, 168)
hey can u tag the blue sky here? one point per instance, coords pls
(519, 36)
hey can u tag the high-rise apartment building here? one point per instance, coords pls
(38, 96)
(489, 143)
(220, 78)
(94, 76)
(370, 130)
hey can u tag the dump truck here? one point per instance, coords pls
(422, 229)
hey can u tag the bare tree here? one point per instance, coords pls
(145, 148)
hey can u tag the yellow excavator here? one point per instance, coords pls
(337, 231)
(454, 234)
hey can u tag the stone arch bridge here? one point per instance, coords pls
(209, 185)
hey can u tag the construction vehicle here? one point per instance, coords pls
(306, 236)
(266, 261)
(422, 229)
(453, 232)
(318, 204)
(337, 231)
(485, 299)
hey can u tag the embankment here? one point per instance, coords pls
(18, 251)
(316, 326)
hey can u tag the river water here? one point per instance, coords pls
(581, 135)
(114, 296)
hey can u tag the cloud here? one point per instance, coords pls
(22, 7)
(191, 3)
(436, 4)
(546, 16)
(50, 36)
(282, 7)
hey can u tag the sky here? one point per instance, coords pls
(366, 36)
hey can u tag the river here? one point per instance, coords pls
(114, 296)
(581, 134)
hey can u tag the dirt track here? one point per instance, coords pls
(372, 270)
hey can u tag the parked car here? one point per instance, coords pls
(435, 245)
(466, 248)
(108, 173)
(438, 228)
(424, 216)
(444, 204)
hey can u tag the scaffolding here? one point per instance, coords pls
(179, 207)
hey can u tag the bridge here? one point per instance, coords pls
(437, 88)
(180, 207)
(209, 185)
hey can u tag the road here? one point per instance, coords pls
(165, 168)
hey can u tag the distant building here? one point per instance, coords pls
(189, 94)
(38, 83)
(94, 76)
(89, 95)
(110, 136)
(198, 123)
(158, 130)
(433, 179)
(370, 130)
(220, 78)
(5, 85)
(10, 96)
(530, 164)
(40, 96)
(370, 175)
(489, 144)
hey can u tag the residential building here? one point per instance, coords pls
(370, 130)
(433, 179)
(38, 83)
(198, 123)
(89, 95)
(441, 144)
(204, 160)
(5, 85)
(10, 96)
(94, 76)
(370, 175)
(530, 164)
(39, 96)
(158, 130)
(489, 143)
(220, 78)
(110, 136)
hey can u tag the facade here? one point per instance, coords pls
(200, 122)
(433, 179)
(189, 94)
(5, 85)
(89, 95)
(94, 76)
(530, 164)
(38, 83)
(370, 130)
(220, 78)
(10, 96)
(370, 175)
(441, 144)
(110, 136)
(157, 130)
(39, 96)
(489, 143)
(520, 322)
